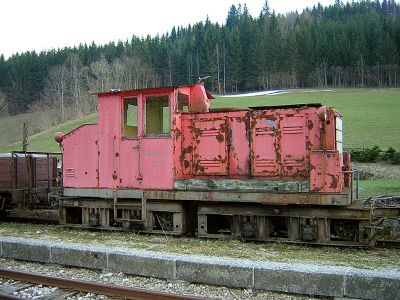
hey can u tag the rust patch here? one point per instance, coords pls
(198, 168)
(185, 151)
(186, 164)
(310, 124)
(196, 131)
(334, 181)
(178, 133)
(309, 145)
(220, 138)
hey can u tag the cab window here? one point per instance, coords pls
(130, 118)
(157, 115)
(183, 103)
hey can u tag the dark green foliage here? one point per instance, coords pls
(366, 154)
(355, 44)
(375, 154)
(389, 154)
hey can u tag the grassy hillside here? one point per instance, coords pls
(370, 116)
(44, 141)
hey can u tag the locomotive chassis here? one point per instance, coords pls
(220, 214)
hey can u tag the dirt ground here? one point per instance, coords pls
(377, 170)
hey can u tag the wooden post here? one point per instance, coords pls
(25, 137)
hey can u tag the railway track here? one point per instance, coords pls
(62, 288)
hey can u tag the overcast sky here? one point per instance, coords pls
(46, 24)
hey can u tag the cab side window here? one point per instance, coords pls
(183, 102)
(157, 115)
(129, 127)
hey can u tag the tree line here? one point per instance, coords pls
(344, 45)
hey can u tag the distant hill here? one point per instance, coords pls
(44, 141)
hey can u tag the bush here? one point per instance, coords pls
(396, 158)
(375, 154)
(366, 154)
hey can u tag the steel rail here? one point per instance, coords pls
(89, 287)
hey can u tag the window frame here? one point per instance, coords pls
(144, 115)
(125, 121)
(178, 102)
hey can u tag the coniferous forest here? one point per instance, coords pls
(343, 45)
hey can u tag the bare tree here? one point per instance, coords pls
(3, 105)
(102, 71)
(56, 88)
(76, 85)
(46, 115)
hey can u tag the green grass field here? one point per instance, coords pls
(379, 187)
(370, 117)
(44, 141)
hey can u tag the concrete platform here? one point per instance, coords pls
(341, 282)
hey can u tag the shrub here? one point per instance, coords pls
(366, 154)
(375, 154)
(389, 154)
(396, 158)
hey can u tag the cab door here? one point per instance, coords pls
(155, 141)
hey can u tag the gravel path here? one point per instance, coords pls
(377, 170)
(179, 287)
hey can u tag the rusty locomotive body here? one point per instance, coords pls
(160, 160)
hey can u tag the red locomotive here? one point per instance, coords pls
(161, 160)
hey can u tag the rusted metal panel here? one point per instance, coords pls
(210, 147)
(326, 173)
(238, 144)
(214, 144)
(265, 145)
(293, 146)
